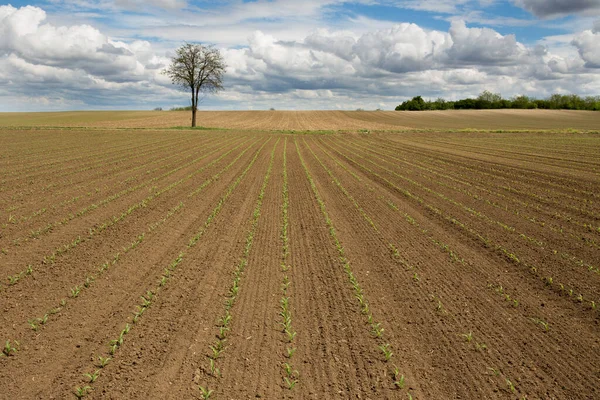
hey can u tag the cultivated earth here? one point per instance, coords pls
(301, 255)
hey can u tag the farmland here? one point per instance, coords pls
(371, 255)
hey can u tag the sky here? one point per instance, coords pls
(283, 54)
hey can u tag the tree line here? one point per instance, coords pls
(489, 101)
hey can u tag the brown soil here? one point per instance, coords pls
(478, 255)
(318, 120)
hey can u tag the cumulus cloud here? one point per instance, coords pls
(588, 45)
(483, 46)
(555, 8)
(325, 68)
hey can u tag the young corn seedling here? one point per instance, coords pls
(222, 332)
(290, 335)
(213, 368)
(9, 349)
(377, 330)
(541, 322)
(290, 351)
(510, 386)
(81, 392)
(399, 381)
(216, 350)
(75, 291)
(387, 352)
(290, 383)
(103, 361)
(32, 324)
(43, 320)
(205, 392)
(92, 376)
(468, 337)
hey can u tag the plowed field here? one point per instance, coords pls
(178, 264)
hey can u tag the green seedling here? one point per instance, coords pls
(32, 324)
(398, 379)
(216, 351)
(541, 322)
(289, 371)
(468, 336)
(290, 383)
(290, 335)
(290, 351)
(205, 392)
(377, 330)
(387, 352)
(223, 332)
(510, 386)
(75, 291)
(103, 361)
(213, 368)
(481, 346)
(43, 320)
(92, 376)
(81, 392)
(9, 349)
(224, 321)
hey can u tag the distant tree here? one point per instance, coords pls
(489, 100)
(197, 68)
(415, 104)
(523, 102)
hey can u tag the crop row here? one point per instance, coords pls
(168, 274)
(49, 259)
(90, 182)
(70, 176)
(538, 242)
(291, 376)
(514, 182)
(376, 328)
(138, 239)
(510, 255)
(560, 253)
(484, 186)
(224, 323)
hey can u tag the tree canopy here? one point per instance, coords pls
(197, 68)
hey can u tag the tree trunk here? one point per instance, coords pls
(194, 108)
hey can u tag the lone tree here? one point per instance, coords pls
(197, 68)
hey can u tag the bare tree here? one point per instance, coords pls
(197, 68)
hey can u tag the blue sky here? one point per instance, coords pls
(313, 54)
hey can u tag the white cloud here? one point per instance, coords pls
(483, 46)
(588, 45)
(365, 63)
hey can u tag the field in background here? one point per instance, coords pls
(318, 120)
(159, 263)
